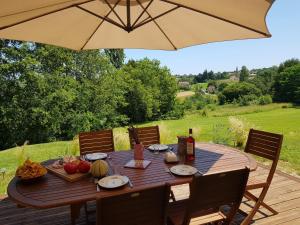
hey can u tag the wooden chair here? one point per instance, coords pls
(147, 136)
(268, 146)
(207, 194)
(90, 142)
(147, 207)
(97, 141)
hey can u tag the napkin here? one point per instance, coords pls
(171, 157)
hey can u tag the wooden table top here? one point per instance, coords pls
(52, 191)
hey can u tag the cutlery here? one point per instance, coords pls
(129, 181)
(97, 185)
(169, 172)
(130, 184)
(198, 171)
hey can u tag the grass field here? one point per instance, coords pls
(272, 118)
(184, 94)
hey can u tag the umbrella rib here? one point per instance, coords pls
(143, 12)
(99, 25)
(219, 18)
(116, 14)
(44, 7)
(149, 19)
(152, 19)
(41, 15)
(101, 17)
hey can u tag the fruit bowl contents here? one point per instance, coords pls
(30, 170)
(84, 166)
(70, 167)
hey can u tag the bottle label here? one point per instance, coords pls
(189, 148)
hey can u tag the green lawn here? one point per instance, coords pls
(272, 118)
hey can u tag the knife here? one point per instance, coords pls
(130, 184)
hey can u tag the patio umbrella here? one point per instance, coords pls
(147, 24)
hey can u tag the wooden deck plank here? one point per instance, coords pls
(284, 196)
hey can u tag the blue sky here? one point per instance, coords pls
(284, 24)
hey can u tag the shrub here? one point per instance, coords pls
(221, 134)
(205, 112)
(247, 100)
(222, 99)
(265, 100)
(237, 90)
(199, 101)
(176, 113)
(239, 131)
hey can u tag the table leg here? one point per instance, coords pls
(75, 212)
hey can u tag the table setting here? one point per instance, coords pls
(94, 175)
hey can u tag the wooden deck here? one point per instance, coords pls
(283, 196)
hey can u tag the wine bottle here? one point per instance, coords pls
(190, 146)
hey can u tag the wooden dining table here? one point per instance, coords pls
(53, 191)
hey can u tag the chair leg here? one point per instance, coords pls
(75, 211)
(250, 196)
(86, 213)
(258, 203)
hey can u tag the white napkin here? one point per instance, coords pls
(171, 157)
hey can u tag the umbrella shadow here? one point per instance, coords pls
(205, 160)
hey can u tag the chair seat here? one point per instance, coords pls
(177, 211)
(254, 183)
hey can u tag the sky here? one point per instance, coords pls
(284, 24)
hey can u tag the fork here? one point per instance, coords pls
(169, 172)
(129, 181)
(97, 185)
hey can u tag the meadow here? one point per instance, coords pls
(279, 118)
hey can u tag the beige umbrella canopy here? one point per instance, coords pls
(147, 24)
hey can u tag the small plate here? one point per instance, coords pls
(95, 156)
(114, 181)
(183, 170)
(158, 147)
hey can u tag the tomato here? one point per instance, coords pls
(84, 167)
(70, 168)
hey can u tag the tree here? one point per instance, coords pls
(288, 63)
(49, 93)
(234, 91)
(116, 57)
(264, 79)
(287, 85)
(244, 74)
(151, 91)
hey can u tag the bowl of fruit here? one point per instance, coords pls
(30, 171)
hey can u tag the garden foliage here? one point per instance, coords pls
(49, 93)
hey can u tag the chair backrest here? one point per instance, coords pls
(266, 145)
(147, 207)
(147, 136)
(210, 192)
(97, 141)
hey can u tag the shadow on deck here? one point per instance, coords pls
(283, 196)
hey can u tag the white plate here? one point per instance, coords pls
(95, 156)
(183, 170)
(114, 181)
(158, 147)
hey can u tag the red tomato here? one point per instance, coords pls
(84, 167)
(70, 168)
